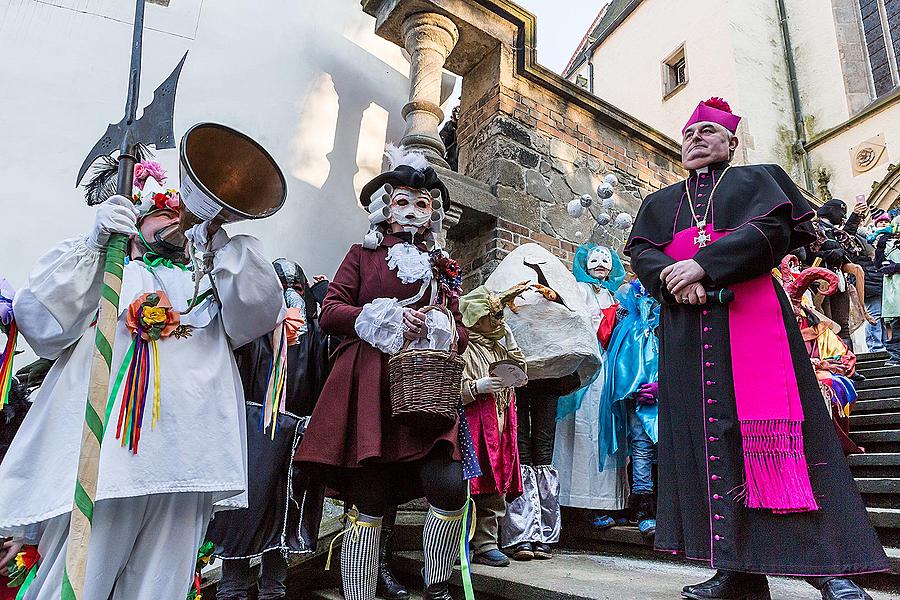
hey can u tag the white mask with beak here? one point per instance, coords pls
(599, 262)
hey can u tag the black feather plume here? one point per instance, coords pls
(104, 177)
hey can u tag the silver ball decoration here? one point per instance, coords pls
(575, 208)
(611, 179)
(586, 200)
(604, 190)
(623, 221)
(603, 219)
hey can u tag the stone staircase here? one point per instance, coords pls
(875, 426)
(619, 564)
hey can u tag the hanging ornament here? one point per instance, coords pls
(605, 190)
(578, 235)
(611, 179)
(623, 221)
(603, 219)
(609, 203)
(575, 209)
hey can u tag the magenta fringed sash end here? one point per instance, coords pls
(775, 467)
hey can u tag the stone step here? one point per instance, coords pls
(873, 381)
(874, 421)
(881, 405)
(887, 440)
(335, 594)
(886, 518)
(879, 393)
(876, 372)
(873, 459)
(597, 576)
(878, 485)
(870, 356)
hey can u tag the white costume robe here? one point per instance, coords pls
(575, 453)
(197, 448)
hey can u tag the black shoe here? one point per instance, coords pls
(838, 588)
(388, 587)
(729, 585)
(523, 551)
(542, 552)
(437, 591)
(857, 377)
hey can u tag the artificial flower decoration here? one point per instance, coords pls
(150, 318)
(448, 275)
(23, 568)
(169, 199)
(148, 169)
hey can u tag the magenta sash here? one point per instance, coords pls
(766, 393)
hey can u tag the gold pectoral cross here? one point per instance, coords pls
(702, 238)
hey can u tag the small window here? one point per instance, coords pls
(581, 81)
(160, 2)
(674, 72)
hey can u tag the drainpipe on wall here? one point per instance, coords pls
(799, 127)
(591, 73)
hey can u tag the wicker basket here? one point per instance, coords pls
(425, 384)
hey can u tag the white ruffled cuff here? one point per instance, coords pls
(381, 324)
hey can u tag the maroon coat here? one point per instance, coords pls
(351, 425)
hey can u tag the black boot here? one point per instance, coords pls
(388, 587)
(838, 588)
(729, 585)
(438, 591)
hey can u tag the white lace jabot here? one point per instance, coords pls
(411, 264)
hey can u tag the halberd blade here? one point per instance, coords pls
(106, 145)
(156, 125)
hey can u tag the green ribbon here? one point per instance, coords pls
(115, 390)
(27, 583)
(464, 569)
(152, 259)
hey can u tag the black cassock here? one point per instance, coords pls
(285, 507)
(758, 215)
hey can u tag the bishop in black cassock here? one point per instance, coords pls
(752, 477)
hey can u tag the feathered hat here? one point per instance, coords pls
(408, 168)
(714, 110)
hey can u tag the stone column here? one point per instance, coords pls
(429, 38)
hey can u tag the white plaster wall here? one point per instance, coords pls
(627, 65)
(816, 54)
(834, 154)
(308, 79)
(763, 93)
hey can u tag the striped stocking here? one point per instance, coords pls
(440, 540)
(359, 558)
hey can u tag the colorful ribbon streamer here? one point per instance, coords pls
(466, 533)
(135, 372)
(6, 363)
(275, 388)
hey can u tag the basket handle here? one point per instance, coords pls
(454, 345)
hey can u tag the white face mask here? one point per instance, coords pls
(599, 263)
(410, 208)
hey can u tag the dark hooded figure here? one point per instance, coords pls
(752, 477)
(284, 506)
(836, 245)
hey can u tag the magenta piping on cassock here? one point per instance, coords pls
(708, 561)
(767, 396)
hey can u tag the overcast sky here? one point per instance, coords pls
(559, 31)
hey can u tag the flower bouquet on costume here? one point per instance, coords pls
(22, 569)
(150, 318)
(448, 275)
(204, 557)
(8, 327)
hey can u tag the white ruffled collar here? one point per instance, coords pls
(411, 264)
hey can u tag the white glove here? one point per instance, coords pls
(199, 236)
(117, 215)
(489, 385)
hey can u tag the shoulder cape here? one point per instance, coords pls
(747, 193)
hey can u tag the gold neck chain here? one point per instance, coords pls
(702, 238)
